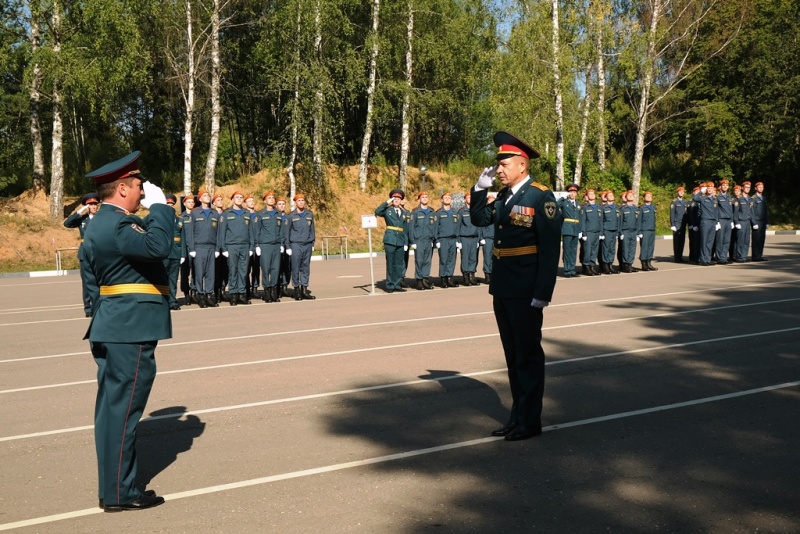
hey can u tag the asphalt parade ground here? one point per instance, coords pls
(671, 405)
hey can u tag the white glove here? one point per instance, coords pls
(536, 303)
(258, 251)
(226, 254)
(312, 249)
(216, 253)
(640, 236)
(738, 226)
(755, 227)
(718, 226)
(152, 195)
(83, 210)
(405, 248)
(482, 241)
(413, 246)
(602, 237)
(673, 228)
(487, 178)
(288, 252)
(250, 252)
(479, 246)
(580, 235)
(732, 225)
(585, 238)
(283, 249)
(183, 260)
(439, 245)
(458, 246)
(622, 237)
(193, 253)
(695, 228)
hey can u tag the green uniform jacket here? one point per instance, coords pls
(123, 249)
(396, 225)
(529, 275)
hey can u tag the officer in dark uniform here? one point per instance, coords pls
(176, 256)
(570, 229)
(132, 313)
(269, 246)
(693, 222)
(235, 242)
(741, 221)
(300, 235)
(527, 244)
(486, 234)
(760, 222)
(422, 236)
(447, 240)
(647, 232)
(187, 265)
(80, 219)
(709, 222)
(610, 234)
(677, 221)
(628, 232)
(725, 212)
(468, 236)
(591, 228)
(201, 241)
(395, 239)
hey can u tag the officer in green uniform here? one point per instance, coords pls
(760, 221)
(177, 256)
(570, 229)
(527, 244)
(80, 219)
(395, 239)
(126, 255)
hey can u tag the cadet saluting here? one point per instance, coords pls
(527, 243)
(131, 315)
(79, 220)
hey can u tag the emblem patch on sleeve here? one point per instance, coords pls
(550, 209)
(138, 228)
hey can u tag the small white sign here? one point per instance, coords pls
(369, 221)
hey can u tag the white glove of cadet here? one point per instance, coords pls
(622, 238)
(738, 226)
(183, 260)
(585, 237)
(250, 252)
(487, 178)
(216, 253)
(288, 252)
(732, 225)
(152, 195)
(405, 248)
(536, 303)
(439, 245)
(226, 253)
(640, 236)
(580, 235)
(458, 246)
(673, 228)
(695, 228)
(258, 251)
(193, 253)
(602, 237)
(755, 227)
(718, 226)
(283, 249)
(482, 241)
(413, 246)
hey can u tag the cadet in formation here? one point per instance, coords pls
(235, 242)
(468, 236)
(678, 217)
(709, 222)
(591, 229)
(202, 227)
(187, 265)
(447, 240)
(741, 219)
(647, 232)
(486, 234)
(268, 227)
(300, 235)
(628, 233)
(610, 235)
(422, 237)
(176, 256)
(760, 214)
(90, 203)
(726, 224)
(570, 229)
(395, 239)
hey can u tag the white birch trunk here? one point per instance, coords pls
(189, 102)
(558, 102)
(57, 153)
(373, 61)
(601, 86)
(35, 98)
(404, 136)
(295, 118)
(319, 98)
(647, 81)
(587, 102)
(216, 105)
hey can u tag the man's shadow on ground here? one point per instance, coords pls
(162, 437)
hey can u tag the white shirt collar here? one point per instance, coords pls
(518, 187)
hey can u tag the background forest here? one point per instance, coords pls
(614, 93)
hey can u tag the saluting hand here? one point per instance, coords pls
(486, 178)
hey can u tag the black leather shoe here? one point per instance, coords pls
(175, 307)
(88, 314)
(506, 430)
(148, 499)
(420, 285)
(400, 289)
(524, 432)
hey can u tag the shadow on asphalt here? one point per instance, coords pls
(160, 441)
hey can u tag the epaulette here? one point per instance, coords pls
(123, 211)
(540, 186)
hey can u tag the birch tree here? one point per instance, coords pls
(57, 151)
(295, 103)
(373, 62)
(216, 104)
(35, 100)
(406, 118)
(319, 97)
(188, 100)
(597, 16)
(587, 101)
(558, 104)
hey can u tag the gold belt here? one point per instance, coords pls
(515, 251)
(572, 220)
(394, 228)
(125, 289)
(177, 239)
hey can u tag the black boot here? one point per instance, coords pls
(587, 271)
(211, 302)
(466, 280)
(451, 282)
(243, 299)
(443, 279)
(650, 265)
(298, 295)
(420, 285)
(267, 294)
(625, 268)
(187, 299)
(234, 299)
(613, 269)
(285, 291)
(644, 266)
(594, 270)
(487, 278)
(427, 283)
(605, 268)
(199, 298)
(307, 294)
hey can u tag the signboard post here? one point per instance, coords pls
(369, 222)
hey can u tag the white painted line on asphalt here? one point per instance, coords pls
(55, 307)
(399, 456)
(395, 384)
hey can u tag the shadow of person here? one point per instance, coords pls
(487, 401)
(162, 437)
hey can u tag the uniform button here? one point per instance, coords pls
(499, 226)
(499, 242)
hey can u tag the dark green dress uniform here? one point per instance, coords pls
(570, 228)
(422, 233)
(235, 237)
(591, 227)
(742, 218)
(677, 218)
(468, 237)
(611, 223)
(760, 218)
(88, 283)
(725, 214)
(628, 230)
(447, 237)
(269, 238)
(395, 239)
(126, 256)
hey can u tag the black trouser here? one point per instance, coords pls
(678, 242)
